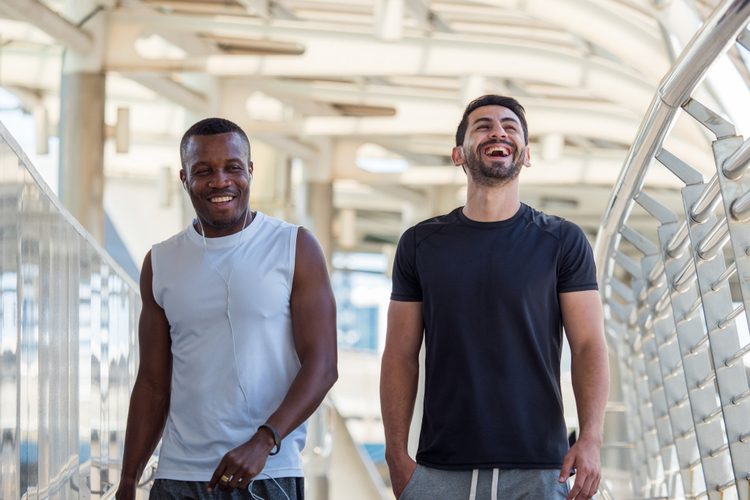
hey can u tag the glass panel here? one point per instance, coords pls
(67, 341)
(10, 373)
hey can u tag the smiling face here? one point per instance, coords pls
(494, 147)
(217, 174)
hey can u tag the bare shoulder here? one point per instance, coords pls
(307, 243)
(147, 276)
(310, 261)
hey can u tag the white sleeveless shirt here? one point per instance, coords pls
(208, 414)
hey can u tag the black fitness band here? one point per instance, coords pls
(276, 438)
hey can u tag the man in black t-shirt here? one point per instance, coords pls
(490, 286)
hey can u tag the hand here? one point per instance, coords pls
(401, 474)
(583, 456)
(243, 463)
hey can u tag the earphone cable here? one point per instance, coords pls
(227, 282)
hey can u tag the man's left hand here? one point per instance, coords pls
(242, 464)
(583, 456)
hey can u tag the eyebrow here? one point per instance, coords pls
(207, 164)
(502, 120)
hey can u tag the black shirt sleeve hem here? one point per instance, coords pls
(405, 298)
(578, 288)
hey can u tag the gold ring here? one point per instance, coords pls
(225, 479)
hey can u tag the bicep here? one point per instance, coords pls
(405, 328)
(582, 318)
(155, 366)
(313, 306)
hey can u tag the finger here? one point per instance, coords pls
(594, 485)
(577, 486)
(243, 484)
(587, 484)
(232, 485)
(589, 488)
(217, 474)
(567, 466)
(225, 480)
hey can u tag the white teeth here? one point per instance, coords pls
(503, 151)
(221, 200)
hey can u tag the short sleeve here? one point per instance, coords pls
(406, 284)
(576, 267)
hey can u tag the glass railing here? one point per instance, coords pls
(675, 272)
(68, 337)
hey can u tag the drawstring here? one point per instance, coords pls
(257, 497)
(475, 480)
(495, 473)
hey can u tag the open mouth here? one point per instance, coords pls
(221, 199)
(497, 151)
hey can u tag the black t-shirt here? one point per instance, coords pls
(493, 334)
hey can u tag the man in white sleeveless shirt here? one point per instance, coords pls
(237, 339)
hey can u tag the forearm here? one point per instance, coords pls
(313, 381)
(590, 377)
(146, 419)
(398, 391)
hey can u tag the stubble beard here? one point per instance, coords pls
(227, 221)
(496, 174)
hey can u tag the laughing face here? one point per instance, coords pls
(218, 181)
(494, 148)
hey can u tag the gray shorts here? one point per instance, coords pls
(509, 484)
(267, 489)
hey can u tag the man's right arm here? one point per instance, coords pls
(399, 376)
(149, 403)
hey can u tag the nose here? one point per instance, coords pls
(498, 132)
(219, 179)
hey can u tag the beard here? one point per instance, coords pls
(223, 221)
(496, 173)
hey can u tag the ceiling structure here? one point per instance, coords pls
(330, 84)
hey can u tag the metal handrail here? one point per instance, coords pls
(711, 41)
(714, 241)
(737, 164)
(662, 344)
(707, 201)
(679, 241)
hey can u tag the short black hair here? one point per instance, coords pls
(492, 100)
(211, 126)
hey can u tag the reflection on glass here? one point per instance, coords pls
(67, 341)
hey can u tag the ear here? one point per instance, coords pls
(527, 158)
(183, 176)
(457, 155)
(250, 168)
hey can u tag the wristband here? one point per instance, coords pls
(276, 438)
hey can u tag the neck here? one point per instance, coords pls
(491, 204)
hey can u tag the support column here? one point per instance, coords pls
(82, 149)
(81, 185)
(316, 214)
(319, 211)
